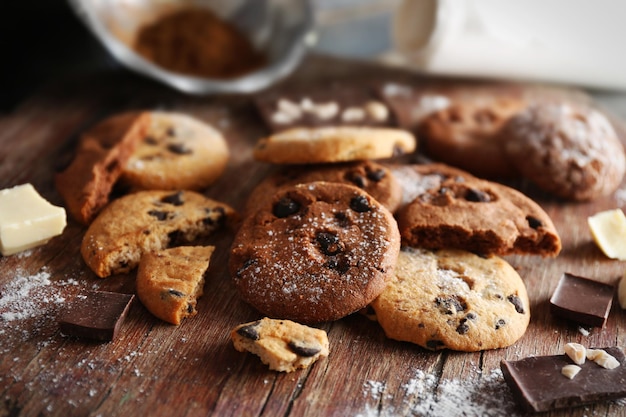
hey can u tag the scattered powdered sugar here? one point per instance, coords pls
(423, 395)
(30, 301)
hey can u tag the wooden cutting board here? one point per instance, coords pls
(193, 370)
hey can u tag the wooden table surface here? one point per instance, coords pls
(158, 369)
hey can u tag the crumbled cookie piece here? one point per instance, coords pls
(282, 344)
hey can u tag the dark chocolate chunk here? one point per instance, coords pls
(376, 175)
(500, 323)
(450, 305)
(329, 243)
(149, 140)
(360, 204)
(175, 293)
(342, 219)
(477, 196)
(462, 328)
(179, 149)
(533, 222)
(174, 199)
(358, 180)
(341, 264)
(538, 385)
(302, 349)
(285, 207)
(97, 316)
(160, 215)
(582, 300)
(250, 331)
(517, 303)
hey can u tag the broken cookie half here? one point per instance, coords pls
(170, 281)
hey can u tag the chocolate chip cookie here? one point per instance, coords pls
(170, 281)
(178, 152)
(458, 211)
(374, 178)
(147, 221)
(284, 345)
(314, 252)
(571, 151)
(452, 299)
(102, 152)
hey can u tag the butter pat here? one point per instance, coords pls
(27, 219)
(608, 229)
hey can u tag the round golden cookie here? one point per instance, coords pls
(178, 152)
(147, 221)
(170, 281)
(302, 145)
(455, 300)
(315, 252)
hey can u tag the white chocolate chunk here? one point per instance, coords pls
(289, 108)
(608, 229)
(27, 219)
(602, 358)
(621, 292)
(326, 111)
(570, 371)
(576, 352)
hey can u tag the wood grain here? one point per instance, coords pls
(192, 370)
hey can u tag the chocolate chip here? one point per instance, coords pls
(377, 175)
(500, 323)
(398, 150)
(179, 149)
(175, 293)
(342, 219)
(285, 207)
(329, 243)
(302, 349)
(534, 222)
(360, 204)
(149, 140)
(471, 316)
(358, 180)
(341, 265)
(462, 328)
(250, 331)
(190, 309)
(477, 196)
(246, 265)
(450, 305)
(160, 215)
(170, 132)
(173, 199)
(175, 238)
(519, 306)
(434, 344)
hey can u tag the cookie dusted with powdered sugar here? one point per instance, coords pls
(571, 151)
(452, 299)
(315, 252)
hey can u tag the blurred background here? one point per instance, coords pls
(43, 39)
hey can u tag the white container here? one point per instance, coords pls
(565, 41)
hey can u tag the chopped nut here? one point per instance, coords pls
(353, 114)
(608, 229)
(576, 352)
(621, 292)
(289, 108)
(570, 371)
(602, 358)
(377, 110)
(326, 111)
